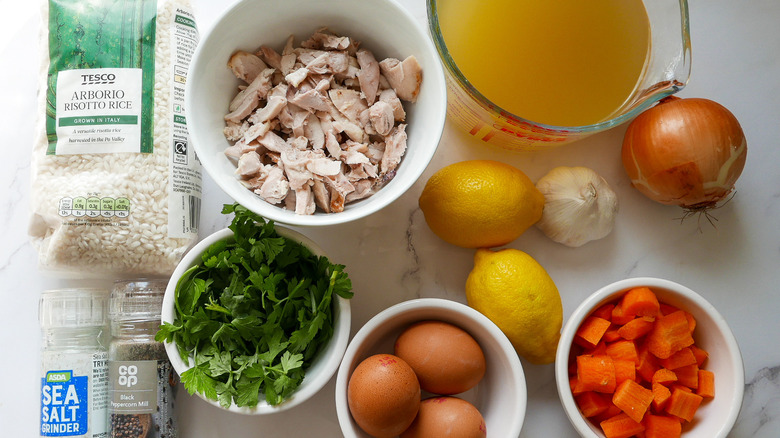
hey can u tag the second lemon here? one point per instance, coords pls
(480, 203)
(515, 292)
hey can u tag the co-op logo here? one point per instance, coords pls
(128, 375)
(98, 78)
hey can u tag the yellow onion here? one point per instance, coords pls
(685, 152)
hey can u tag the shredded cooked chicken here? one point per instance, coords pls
(319, 125)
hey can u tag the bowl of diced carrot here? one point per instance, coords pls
(651, 358)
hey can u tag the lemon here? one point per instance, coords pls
(480, 203)
(515, 292)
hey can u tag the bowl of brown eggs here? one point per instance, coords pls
(428, 365)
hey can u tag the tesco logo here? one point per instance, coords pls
(98, 78)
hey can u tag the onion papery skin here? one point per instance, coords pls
(685, 152)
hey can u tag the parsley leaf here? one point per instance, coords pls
(247, 390)
(291, 361)
(254, 314)
(220, 364)
(197, 379)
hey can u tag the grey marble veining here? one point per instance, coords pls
(760, 416)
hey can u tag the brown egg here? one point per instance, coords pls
(383, 395)
(446, 359)
(447, 417)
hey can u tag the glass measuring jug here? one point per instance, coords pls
(663, 70)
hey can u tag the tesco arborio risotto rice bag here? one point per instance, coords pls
(116, 188)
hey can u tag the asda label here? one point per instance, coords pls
(64, 404)
(99, 111)
(74, 395)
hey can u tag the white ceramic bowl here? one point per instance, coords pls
(500, 396)
(715, 417)
(321, 369)
(381, 26)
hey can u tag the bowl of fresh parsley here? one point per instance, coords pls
(255, 318)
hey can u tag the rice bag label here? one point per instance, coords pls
(99, 111)
(185, 184)
(100, 89)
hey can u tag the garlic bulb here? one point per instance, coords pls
(579, 206)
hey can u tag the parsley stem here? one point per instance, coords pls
(216, 307)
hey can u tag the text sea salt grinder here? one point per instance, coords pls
(141, 397)
(74, 377)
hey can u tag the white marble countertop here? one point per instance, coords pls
(392, 255)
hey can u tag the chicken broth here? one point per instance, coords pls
(562, 62)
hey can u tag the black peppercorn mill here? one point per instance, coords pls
(141, 401)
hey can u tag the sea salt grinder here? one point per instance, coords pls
(74, 363)
(141, 397)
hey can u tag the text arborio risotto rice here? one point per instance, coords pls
(115, 186)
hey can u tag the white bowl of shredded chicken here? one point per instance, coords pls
(315, 113)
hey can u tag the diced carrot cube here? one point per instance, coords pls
(623, 350)
(619, 315)
(576, 387)
(688, 376)
(599, 350)
(624, 370)
(706, 387)
(621, 426)
(661, 395)
(633, 399)
(657, 426)
(604, 312)
(668, 308)
(572, 366)
(647, 365)
(664, 376)
(691, 321)
(636, 328)
(592, 403)
(700, 354)
(682, 358)
(611, 335)
(674, 386)
(683, 404)
(596, 373)
(669, 335)
(611, 411)
(591, 330)
(641, 301)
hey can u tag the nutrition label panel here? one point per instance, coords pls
(94, 206)
(185, 182)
